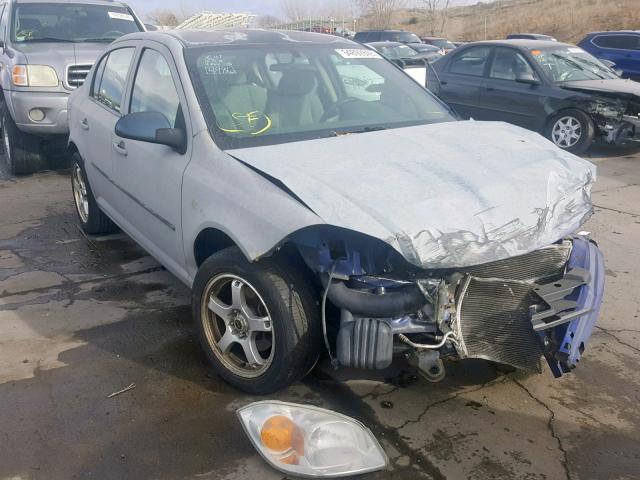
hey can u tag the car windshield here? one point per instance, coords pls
(442, 43)
(397, 51)
(70, 22)
(253, 96)
(423, 47)
(566, 64)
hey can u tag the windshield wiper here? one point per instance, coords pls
(338, 133)
(100, 39)
(578, 66)
(47, 39)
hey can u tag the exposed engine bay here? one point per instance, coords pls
(515, 311)
(616, 115)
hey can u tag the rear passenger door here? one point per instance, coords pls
(149, 175)
(96, 116)
(462, 78)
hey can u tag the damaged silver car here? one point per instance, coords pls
(314, 197)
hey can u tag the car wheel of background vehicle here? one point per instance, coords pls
(258, 323)
(21, 150)
(92, 219)
(571, 130)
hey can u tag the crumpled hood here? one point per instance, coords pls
(443, 195)
(614, 85)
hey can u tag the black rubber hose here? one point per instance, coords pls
(402, 301)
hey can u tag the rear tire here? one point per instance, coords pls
(21, 150)
(571, 130)
(92, 220)
(275, 290)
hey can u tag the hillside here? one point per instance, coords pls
(567, 20)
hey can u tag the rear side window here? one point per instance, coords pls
(154, 89)
(109, 86)
(470, 62)
(624, 42)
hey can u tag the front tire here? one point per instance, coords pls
(21, 150)
(92, 220)
(258, 323)
(571, 130)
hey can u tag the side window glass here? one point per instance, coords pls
(470, 62)
(110, 90)
(625, 42)
(509, 64)
(4, 13)
(154, 89)
(97, 77)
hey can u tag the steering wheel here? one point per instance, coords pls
(334, 110)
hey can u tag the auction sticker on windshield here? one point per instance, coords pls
(120, 16)
(357, 53)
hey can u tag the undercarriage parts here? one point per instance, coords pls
(429, 365)
(365, 343)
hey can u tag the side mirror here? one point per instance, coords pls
(618, 71)
(608, 63)
(527, 78)
(151, 127)
(399, 62)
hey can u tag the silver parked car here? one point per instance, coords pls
(46, 49)
(314, 197)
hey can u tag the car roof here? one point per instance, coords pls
(193, 37)
(522, 43)
(386, 44)
(634, 32)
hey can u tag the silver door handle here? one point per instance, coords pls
(84, 124)
(120, 148)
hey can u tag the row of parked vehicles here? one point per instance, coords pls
(559, 90)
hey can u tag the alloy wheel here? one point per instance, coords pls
(237, 325)
(80, 193)
(566, 132)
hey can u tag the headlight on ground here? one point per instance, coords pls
(309, 441)
(34, 76)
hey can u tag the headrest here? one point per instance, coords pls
(297, 82)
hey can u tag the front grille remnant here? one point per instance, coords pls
(493, 307)
(76, 75)
(541, 264)
(493, 323)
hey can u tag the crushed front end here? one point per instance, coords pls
(517, 311)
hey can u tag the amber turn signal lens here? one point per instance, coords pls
(19, 76)
(280, 434)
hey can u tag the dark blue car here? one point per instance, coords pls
(621, 47)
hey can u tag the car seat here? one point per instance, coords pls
(295, 101)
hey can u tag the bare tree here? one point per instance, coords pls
(165, 18)
(437, 11)
(381, 12)
(295, 10)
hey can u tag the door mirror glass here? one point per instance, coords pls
(151, 127)
(528, 78)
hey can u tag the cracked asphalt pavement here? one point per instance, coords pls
(82, 317)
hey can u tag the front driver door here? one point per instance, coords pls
(150, 175)
(505, 99)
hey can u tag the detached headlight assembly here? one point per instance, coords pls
(34, 76)
(311, 442)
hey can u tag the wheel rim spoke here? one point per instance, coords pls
(220, 309)
(228, 339)
(259, 324)
(251, 352)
